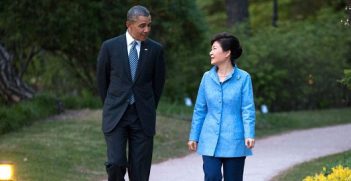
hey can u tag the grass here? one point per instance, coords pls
(15, 116)
(313, 167)
(274, 123)
(43, 105)
(175, 110)
(287, 121)
(56, 150)
(171, 138)
(73, 148)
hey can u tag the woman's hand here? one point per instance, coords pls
(250, 142)
(192, 145)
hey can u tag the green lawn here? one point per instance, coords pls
(74, 148)
(56, 150)
(286, 121)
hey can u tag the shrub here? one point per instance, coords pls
(85, 100)
(13, 117)
(347, 79)
(338, 173)
(296, 66)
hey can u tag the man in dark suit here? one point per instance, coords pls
(130, 76)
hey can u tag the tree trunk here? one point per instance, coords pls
(348, 9)
(275, 13)
(237, 11)
(12, 88)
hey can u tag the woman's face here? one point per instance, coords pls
(218, 56)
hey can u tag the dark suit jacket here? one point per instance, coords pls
(116, 85)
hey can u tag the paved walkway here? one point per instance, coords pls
(271, 155)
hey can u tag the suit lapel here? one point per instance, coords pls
(125, 58)
(144, 49)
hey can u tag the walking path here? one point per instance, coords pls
(271, 155)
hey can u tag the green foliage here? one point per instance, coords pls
(294, 66)
(261, 11)
(302, 9)
(72, 31)
(347, 79)
(183, 39)
(49, 73)
(16, 116)
(13, 117)
(297, 65)
(215, 14)
(86, 100)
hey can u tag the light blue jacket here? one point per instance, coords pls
(224, 115)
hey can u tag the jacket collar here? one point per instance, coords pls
(143, 56)
(214, 75)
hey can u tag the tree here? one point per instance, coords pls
(237, 11)
(347, 78)
(348, 9)
(74, 31)
(12, 88)
(275, 13)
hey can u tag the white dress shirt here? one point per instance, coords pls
(130, 40)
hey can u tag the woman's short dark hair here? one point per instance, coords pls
(229, 42)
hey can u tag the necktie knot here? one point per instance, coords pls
(134, 44)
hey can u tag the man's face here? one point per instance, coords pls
(140, 28)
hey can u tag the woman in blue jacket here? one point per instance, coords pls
(223, 124)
